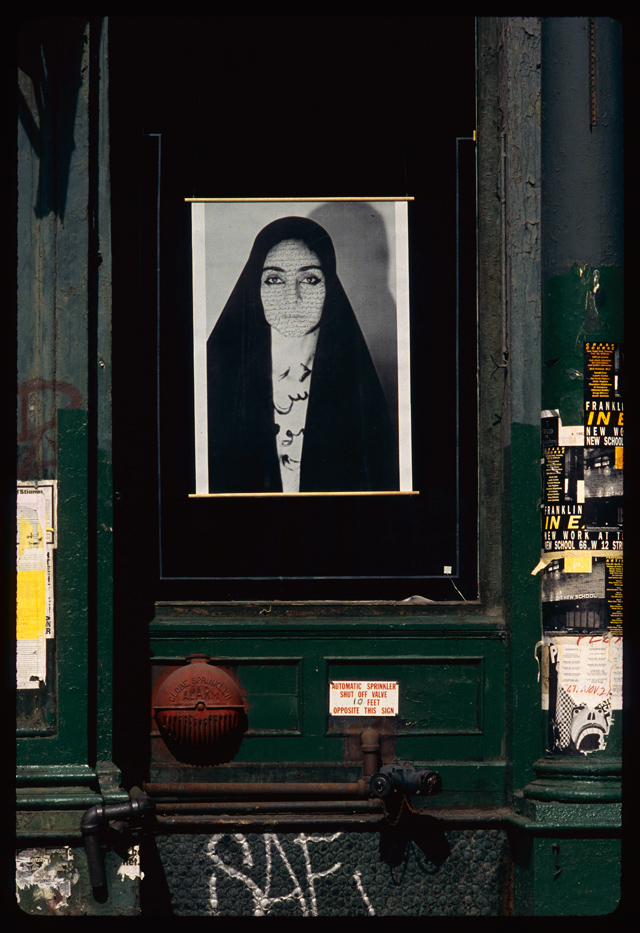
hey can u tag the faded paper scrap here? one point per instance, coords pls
(31, 564)
(31, 663)
(34, 582)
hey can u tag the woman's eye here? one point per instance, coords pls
(272, 280)
(311, 280)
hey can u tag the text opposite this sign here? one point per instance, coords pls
(363, 698)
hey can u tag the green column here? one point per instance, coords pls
(569, 816)
(64, 746)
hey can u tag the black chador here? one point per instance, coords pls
(347, 442)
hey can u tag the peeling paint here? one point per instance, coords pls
(130, 868)
(51, 875)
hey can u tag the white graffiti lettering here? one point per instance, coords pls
(303, 840)
(358, 880)
(262, 900)
(261, 893)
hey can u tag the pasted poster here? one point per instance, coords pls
(582, 491)
(604, 405)
(301, 347)
(582, 559)
(582, 687)
(582, 593)
(35, 541)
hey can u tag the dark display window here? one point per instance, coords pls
(296, 108)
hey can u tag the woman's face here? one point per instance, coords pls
(292, 288)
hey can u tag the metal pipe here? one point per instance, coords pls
(211, 822)
(460, 817)
(259, 806)
(370, 744)
(358, 789)
(92, 823)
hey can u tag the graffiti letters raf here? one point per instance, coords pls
(267, 876)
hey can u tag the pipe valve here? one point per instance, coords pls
(405, 779)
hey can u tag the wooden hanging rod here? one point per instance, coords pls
(276, 200)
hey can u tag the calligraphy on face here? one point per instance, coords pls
(292, 288)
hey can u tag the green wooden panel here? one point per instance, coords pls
(567, 883)
(69, 744)
(436, 694)
(273, 689)
(451, 708)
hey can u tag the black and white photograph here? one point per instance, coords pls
(574, 599)
(301, 347)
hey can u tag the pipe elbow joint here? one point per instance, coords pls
(92, 820)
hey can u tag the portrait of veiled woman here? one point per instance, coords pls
(293, 397)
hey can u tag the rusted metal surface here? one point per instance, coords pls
(264, 812)
(255, 788)
(202, 824)
(266, 806)
(200, 711)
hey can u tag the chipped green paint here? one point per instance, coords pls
(574, 312)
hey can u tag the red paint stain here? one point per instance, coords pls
(33, 437)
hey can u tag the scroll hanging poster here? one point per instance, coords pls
(301, 347)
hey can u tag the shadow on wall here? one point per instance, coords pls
(364, 265)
